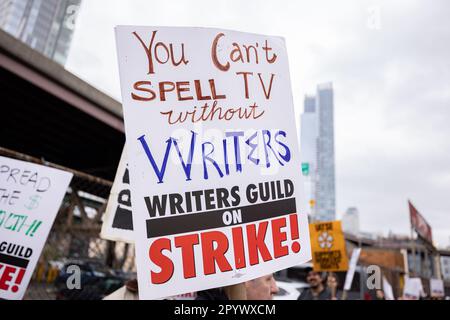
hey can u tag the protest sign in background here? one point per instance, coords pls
(213, 157)
(387, 289)
(117, 220)
(30, 196)
(328, 246)
(352, 268)
(413, 289)
(437, 288)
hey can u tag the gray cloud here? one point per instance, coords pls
(392, 87)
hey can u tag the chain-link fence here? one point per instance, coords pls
(74, 240)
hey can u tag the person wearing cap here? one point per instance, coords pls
(317, 289)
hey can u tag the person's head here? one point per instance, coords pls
(262, 288)
(332, 280)
(380, 294)
(314, 278)
(132, 285)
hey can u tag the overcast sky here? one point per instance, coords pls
(389, 62)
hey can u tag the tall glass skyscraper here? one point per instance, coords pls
(308, 152)
(317, 152)
(45, 25)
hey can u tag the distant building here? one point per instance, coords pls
(350, 221)
(445, 266)
(317, 153)
(400, 255)
(46, 26)
(308, 141)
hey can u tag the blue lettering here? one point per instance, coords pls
(237, 151)
(206, 157)
(159, 172)
(287, 156)
(186, 167)
(253, 146)
(267, 145)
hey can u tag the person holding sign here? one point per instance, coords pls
(212, 155)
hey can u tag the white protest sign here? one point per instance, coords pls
(351, 268)
(30, 196)
(413, 289)
(213, 157)
(387, 289)
(117, 220)
(445, 267)
(437, 288)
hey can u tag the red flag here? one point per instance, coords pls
(419, 223)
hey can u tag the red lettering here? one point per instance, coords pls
(212, 86)
(162, 261)
(163, 90)
(256, 243)
(139, 86)
(156, 50)
(181, 87)
(158, 45)
(245, 75)
(266, 48)
(211, 255)
(6, 277)
(186, 243)
(143, 91)
(18, 280)
(279, 237)
(147, 50)
(238, 247)
(266, 93)
(221, 67)
(214, 246)
(198, 90)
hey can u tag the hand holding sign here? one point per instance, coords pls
(212, 154)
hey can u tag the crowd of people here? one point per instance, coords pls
(322, 286)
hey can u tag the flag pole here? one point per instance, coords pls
(414, 268)
(413, 248)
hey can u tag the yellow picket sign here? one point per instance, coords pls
(328, 246)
